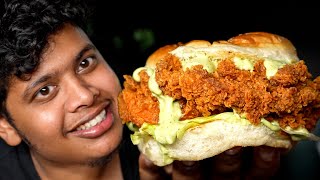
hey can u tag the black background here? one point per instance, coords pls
(179, 21)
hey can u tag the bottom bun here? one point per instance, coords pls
(210, 139)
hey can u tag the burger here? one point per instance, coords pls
(194, 100)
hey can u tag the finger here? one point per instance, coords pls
(186, 170)
(149, 171)
(284, 151)
(168, 169)
(227, 165)
(266, 162)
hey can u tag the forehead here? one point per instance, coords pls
(66, 41)
(63, 47)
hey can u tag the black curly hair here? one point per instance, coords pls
(25, 28)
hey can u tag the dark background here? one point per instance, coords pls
(128, 32)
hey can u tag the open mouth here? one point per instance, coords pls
(100, 117)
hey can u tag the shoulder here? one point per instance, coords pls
(16, 163)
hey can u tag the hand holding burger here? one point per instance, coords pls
(196, 100)
(260, 162)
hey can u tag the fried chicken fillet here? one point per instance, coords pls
(195, 100)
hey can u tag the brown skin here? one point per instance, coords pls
(77, 90)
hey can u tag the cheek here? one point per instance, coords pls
(38, 123)
(107, 80)
(35, 121)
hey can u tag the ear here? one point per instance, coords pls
(9, 133)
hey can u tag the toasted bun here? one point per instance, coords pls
(262, 43)
(159, 54)
(212, 138)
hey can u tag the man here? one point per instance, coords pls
(58, 97)
(58, 113)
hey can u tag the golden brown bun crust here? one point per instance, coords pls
(263, 39)
(256, 39)
(251, 39)
(159, 54)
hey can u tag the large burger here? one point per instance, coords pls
(194, 100)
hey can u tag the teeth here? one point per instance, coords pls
(93, 122)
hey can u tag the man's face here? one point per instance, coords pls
(68, 109)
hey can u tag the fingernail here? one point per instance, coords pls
(233, 151)
(267, 154)
(186, 167)
(188, 163)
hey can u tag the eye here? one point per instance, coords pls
(86, 63)
(45, 92)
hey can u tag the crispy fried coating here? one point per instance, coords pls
(136, 103)
(291, 96)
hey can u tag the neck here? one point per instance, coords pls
(50, 171)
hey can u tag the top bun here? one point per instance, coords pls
(262, 43)
(265, 40)
(157, 55)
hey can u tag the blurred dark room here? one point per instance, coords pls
(127, 33)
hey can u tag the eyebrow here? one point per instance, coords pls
(83, 51)
(42, 79)
(46, 77)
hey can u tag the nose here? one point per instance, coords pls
(80, 93)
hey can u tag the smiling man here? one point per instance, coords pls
(58, 98)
